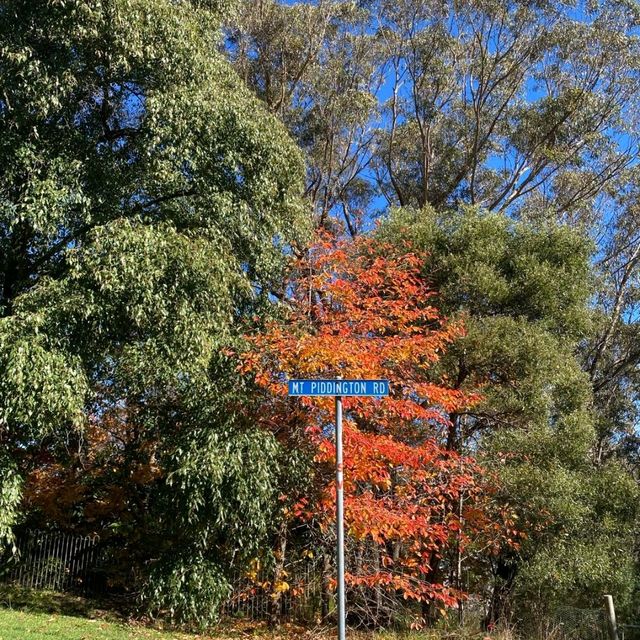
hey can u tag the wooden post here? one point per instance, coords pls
(611, 618)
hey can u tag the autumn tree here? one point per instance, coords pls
(362, 310)
(500, 105)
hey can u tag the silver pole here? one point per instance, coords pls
(340, 520)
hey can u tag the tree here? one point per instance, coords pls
(495, 104)
(361, 310)
(148, 202)
(498, 104)
(523, 291)
(611, 358)
(318, 68)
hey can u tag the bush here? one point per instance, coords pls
(190, 590)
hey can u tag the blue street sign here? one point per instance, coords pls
(339, 388)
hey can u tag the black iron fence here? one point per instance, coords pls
(299, 593)
(61, 561)
(67, 562)
(52, 560)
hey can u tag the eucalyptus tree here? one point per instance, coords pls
(317, 67)
(499, 104)
(612, 358)
(147, 203)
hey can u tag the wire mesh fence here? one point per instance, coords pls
(629, 632)
(573, 623)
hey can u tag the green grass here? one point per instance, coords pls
(27, 625)
(41, 615)
(27, 614)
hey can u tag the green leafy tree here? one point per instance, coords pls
(523, 292)
(147, 202)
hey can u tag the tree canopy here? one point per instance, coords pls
(201, 198)
(148, 204)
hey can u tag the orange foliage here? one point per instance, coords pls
(361, 310)
(97, 481)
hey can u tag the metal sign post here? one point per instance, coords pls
(339, 388)
(340, 521)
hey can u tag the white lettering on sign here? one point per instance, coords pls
(339, 387)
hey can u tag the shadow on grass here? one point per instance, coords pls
(67, 604)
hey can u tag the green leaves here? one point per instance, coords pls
(10, 493)
(222, 483)
(522, 289)
(187, 588)
(41, 388)
(217, 503)
(148, 204)
(146, 119)
(585, 551)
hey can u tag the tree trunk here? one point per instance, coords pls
(499, 605)
(430, 610)
(276, 595)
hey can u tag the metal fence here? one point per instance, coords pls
(301, 592)
(572, 623)
(52, 560)
(629, 632)
(66, 562)
(299, 597)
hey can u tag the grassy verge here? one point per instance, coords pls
(36, 615)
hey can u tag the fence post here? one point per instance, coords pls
(611, 618)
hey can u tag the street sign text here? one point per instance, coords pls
(339, 388)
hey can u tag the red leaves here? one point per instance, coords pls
(362, 310)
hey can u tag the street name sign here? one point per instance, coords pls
(339, 387)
